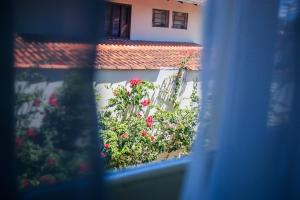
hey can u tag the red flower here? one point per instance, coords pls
(107, 146)
(53, 100)
(36, 102)
(31, 132)
(149, 121)
(47, 179)
(128, 93)
(84, 168)
(152, 138)
(144, 133)
(19, 141)
(146, 102)
(51, 162)
(125, 135)
(135, 82)
(102, 154)
(25, 183)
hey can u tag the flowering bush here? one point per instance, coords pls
(136, 130)
(54, 151)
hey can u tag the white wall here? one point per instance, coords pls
(141, 21)
(122, 77)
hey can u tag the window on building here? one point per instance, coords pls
(117, 20)
(160, 18)
(180, 20)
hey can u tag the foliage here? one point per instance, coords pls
(57, 149)
(136, 129)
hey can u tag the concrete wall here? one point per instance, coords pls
(141, 21)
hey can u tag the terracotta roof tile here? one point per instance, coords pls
(110, 54)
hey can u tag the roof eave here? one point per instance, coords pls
(195, 2)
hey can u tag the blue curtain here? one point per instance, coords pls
(248, 144)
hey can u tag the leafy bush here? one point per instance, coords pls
(136, 130)
(58, 149)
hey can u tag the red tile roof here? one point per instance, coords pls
(111, 54)
(31, 53)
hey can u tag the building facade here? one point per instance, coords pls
(155, 20)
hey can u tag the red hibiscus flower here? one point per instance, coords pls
(135, 82)
(152, 138)
(107, 146)
(31, 132)
(146, 102)
(84, 168)
(53, 100)
(149, 121)
(144, 133)
(19, 142)
(102, 154)
(36, 102)
(25, 183)
(51, 162)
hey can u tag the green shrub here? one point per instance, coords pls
(50, 153)
(136, 130)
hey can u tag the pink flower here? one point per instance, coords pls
(36, 102)
(25, 183)
(152, 138)
(146, 102)
(144, 133)
(107, 146)
(51, 162)
(84, 168)
(19, 142)
(53, 100)
(102, 154)
(149, 121)
(135, 82)
(31, 132)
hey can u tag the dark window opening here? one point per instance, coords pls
(180, 20)
(117, 20)
(160, 18)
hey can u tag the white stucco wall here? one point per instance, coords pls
(141, 21)
(122, 77)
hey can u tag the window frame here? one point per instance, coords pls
(109, 36)
(186, 20)
(168, 172)
(167, 18)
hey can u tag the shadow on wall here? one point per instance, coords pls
(161, 78)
